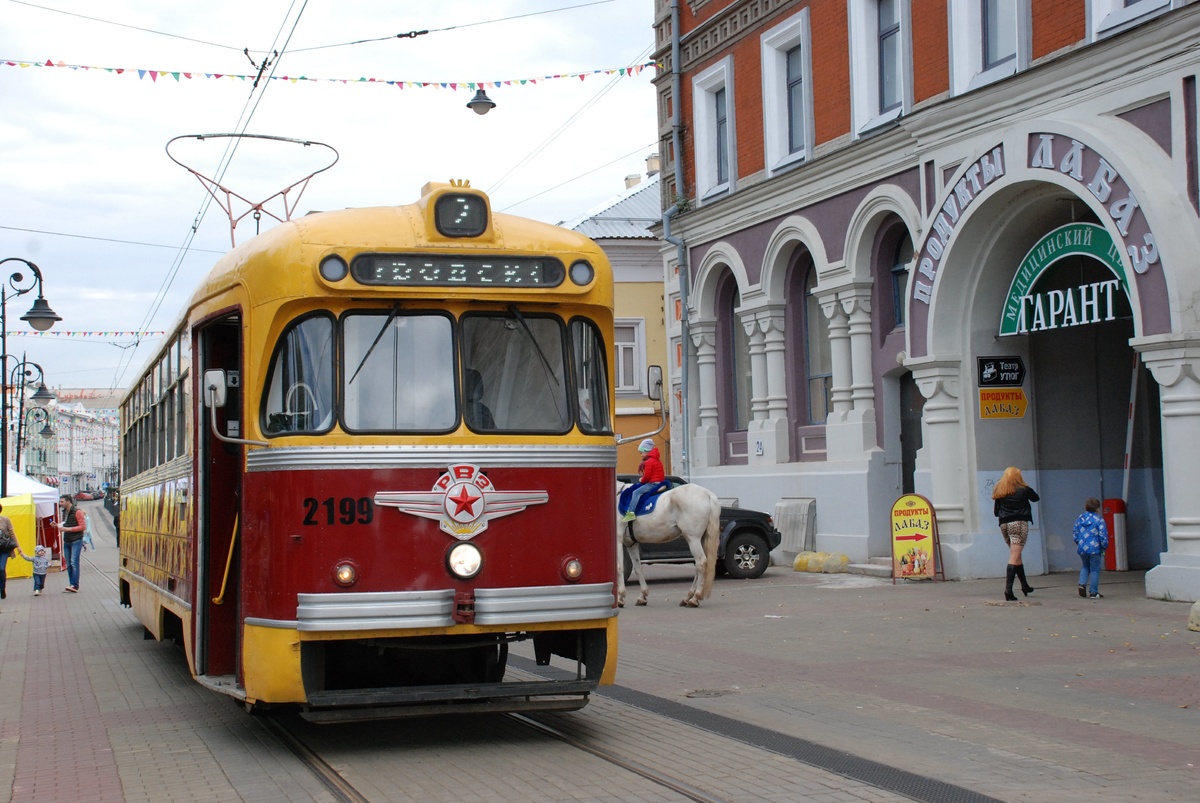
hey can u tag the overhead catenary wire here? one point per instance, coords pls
(247, 114)
(565, 125)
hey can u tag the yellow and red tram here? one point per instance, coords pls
(377, 451)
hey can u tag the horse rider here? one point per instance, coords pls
(650, 473)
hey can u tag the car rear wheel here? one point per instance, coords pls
(746, 556)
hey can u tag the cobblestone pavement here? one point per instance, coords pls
(1055, 698)
(1052, 698)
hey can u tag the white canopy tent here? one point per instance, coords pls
(45, 498)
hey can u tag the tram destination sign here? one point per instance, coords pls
(1001, 372)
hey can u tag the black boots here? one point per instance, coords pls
(1026, 589)
(1011, 575)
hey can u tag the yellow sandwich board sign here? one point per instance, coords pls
(914, 539)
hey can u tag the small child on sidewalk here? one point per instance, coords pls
(1091, 539)
(41, 565)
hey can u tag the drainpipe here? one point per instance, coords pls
(680, 248)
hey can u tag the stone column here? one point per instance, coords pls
(1174, 362)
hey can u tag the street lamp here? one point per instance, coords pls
(41, 318)
(40, 415)
(481, 103)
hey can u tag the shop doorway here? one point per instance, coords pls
(1082, 380)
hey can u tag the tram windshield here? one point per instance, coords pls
(406, 372)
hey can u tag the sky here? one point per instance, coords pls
(122, 234)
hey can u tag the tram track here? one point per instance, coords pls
(285, 728)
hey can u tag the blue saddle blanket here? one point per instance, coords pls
(647, 500)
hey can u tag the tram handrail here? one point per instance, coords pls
(220, 598)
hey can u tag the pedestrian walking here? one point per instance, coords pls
(1012, 497)
(8, 542)
(1091, 540)
(41, 565)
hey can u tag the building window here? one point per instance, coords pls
(900, 264)
(819, 358)
(740, 353)
(715, 130)
(787, 92)
(629, 356)
(881, 62)
(989, 41)
(721, 121)
(889, 55)
(1113, 16)
(999, 32)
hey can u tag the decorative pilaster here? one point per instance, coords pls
(857, 305)
(839, 350)
(707, 439)
(944, 440)
(769, 436)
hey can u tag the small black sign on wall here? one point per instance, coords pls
(1001, 372)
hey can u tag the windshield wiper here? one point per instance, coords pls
(516, 313)
(386, 323)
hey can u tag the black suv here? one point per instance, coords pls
(747, 538)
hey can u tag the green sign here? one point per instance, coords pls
(1026, 311)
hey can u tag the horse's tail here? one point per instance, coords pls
(712, 542)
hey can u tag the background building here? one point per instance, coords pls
(621, 226)
(872, 204)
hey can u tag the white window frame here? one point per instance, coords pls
(1107, 17)
(704, 125)
(637, 383)
(775, 46)
(966, 46)
(864, 66)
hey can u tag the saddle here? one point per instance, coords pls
(648, 500)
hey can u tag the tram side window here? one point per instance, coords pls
(398, 373)
(591, 377)
(521, 364)
(299, 395)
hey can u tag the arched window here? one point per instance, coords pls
(819, 360)
(733, 372)
(901, 259)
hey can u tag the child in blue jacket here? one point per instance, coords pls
(1091, 539)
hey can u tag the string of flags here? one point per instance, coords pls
(35, 333)
(471, 86)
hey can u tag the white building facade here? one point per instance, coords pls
(1003, 274)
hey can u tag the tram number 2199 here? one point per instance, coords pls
(346, 510)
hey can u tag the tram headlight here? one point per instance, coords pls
(582, 273)
(464, 560)
(572, 568)
(333, 268)
(345, 573)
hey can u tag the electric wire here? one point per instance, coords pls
(565, 125)
(244, 119)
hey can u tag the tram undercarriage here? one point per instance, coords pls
(384, 678)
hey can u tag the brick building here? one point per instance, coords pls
(911, 243)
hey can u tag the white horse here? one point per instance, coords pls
(690, 511)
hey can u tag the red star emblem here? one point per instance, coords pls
(464, 501)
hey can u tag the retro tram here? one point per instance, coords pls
(376, 452)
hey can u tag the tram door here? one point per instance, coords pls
(220, 464)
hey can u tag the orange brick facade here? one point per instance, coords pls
(737, 25)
